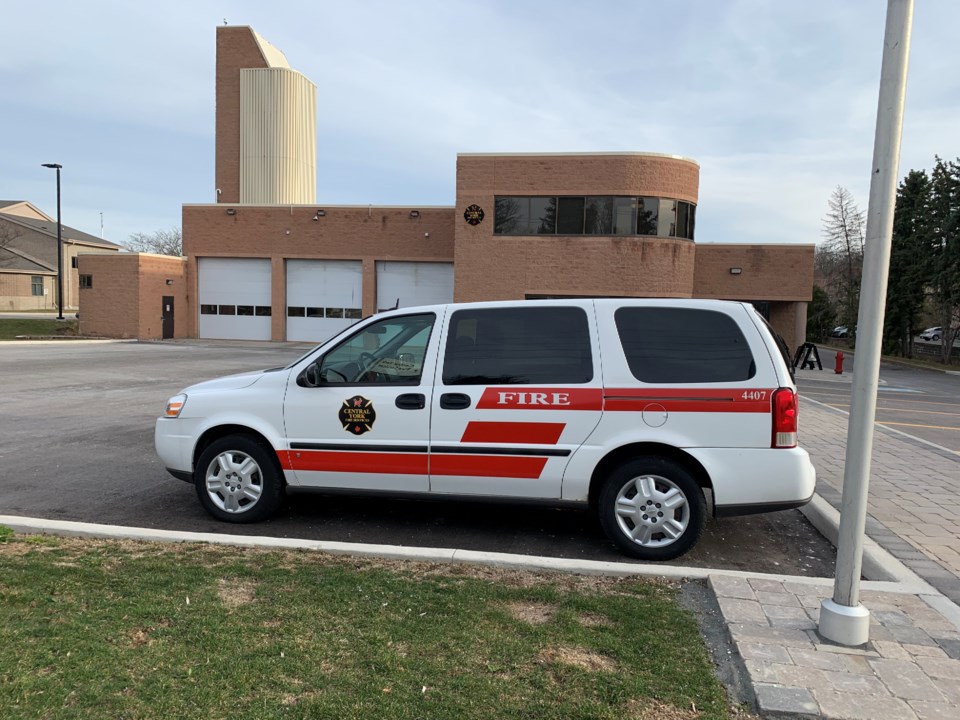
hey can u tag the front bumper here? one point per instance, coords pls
(173, 439)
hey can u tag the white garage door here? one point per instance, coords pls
(234, 298)
(408, 284)
(323, 297)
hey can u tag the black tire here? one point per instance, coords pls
(646, 530)
(233, 491)
(935, 337)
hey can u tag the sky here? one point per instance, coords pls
(777, 101)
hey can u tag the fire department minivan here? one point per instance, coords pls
(641, 409)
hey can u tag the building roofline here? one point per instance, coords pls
(95, 241)
(753, 244)
(30, 258)
(323, 206)
(582, 154)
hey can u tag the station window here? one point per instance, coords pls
(593, 215)
(86, 281)
(36, 285)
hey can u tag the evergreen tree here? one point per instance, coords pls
(909, 263)
(944, 218)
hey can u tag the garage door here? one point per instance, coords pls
(234, 298)
(323, 297)
(408, 284)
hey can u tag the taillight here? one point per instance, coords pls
(784, 418)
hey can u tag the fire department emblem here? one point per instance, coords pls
(473, 215)
(357, 415)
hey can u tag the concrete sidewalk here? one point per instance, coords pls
(911, 666)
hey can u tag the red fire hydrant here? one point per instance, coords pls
(839, 368)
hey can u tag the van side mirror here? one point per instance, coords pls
(310, 377)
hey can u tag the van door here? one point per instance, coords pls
(359, 415)
(518, 391)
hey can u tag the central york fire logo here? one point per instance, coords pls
(357, 415)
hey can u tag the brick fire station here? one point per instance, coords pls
(267, 261)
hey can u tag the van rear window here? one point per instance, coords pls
(683, 345)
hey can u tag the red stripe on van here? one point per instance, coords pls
(730, 400)
(526, 468)
(357, 462)
(509, 432)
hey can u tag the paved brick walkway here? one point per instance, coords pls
(909, 670)
(914, 500)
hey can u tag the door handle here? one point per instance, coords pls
(454, 401)
(411, 401)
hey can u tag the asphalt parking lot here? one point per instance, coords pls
(922, 402)
(76, 422)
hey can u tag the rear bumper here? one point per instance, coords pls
(755, 480)
(757, 508)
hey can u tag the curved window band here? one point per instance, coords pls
(593, 215)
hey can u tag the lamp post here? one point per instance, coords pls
(57, 167)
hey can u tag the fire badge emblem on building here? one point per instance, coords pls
(473, 215)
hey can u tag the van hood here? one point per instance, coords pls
(230, 382)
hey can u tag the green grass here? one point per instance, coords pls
(95, 629)
(10, 328)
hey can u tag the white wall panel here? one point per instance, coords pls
(330, 293)
(237, 283)
(413, 283)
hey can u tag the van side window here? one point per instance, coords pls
(518, 346)
(389, 351)
(683, 345)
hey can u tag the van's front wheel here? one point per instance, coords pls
(237, 480)
(652, 508)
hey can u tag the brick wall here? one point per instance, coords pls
(492, 267)
(16, 291)
(125, 299)
(367, 234)
(769, 272)
(236, 49)
(154, 271)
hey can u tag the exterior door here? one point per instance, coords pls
(359, 415)
(167, 317)
(518, 392)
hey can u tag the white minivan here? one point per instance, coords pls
(642, 409)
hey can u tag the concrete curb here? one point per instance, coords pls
(27, 525)
(878, 564)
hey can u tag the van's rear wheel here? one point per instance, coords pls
(238, 480)
(652, 508)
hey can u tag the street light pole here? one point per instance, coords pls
(843, 619)
(59, 244)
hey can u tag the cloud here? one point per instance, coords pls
(777, 101)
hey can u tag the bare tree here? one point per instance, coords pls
(161, 242)
(840, 257)
(8, 235)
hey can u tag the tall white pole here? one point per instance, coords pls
(843, 619)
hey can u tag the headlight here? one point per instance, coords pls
(175, 406)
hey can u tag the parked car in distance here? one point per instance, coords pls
(933, 334)
(841, 331)
(639, 409)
